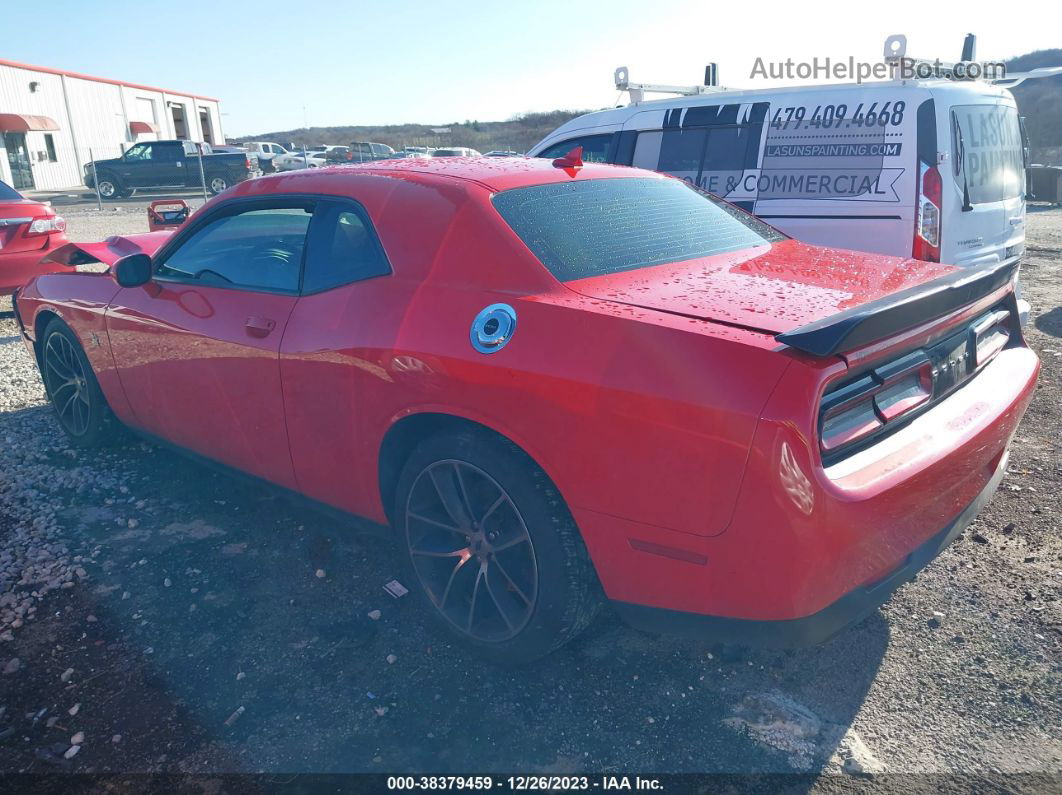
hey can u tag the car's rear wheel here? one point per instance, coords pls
(491, 547)
(109, 187)
(217, 183)
(73, 390)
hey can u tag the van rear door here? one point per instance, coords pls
(984, 179)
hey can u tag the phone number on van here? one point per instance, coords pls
(889, 114)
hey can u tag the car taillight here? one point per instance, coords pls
(863, 407)
(247, 160)
(45, 226)
(874, 402)
(927, 224)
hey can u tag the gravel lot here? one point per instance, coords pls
(156, 616)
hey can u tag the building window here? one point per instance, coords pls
(205, 126)
(49, 143)
(180, 127)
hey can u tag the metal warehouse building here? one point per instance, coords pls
(52, 122)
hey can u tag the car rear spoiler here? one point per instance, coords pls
(110, 250)
(884, 317)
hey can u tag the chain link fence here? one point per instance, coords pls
(37, 163)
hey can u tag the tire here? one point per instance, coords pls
(109, 187)
(522, 583)
(73, 390)
(216, 183)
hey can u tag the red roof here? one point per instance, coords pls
(80, 76)
(496, 173)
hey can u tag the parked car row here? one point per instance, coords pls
(275, 157)
(176, 164)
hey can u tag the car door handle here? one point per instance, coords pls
(259, 326)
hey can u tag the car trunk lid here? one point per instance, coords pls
(774, 288)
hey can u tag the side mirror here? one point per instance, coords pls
(133, 270)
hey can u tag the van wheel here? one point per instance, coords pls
(73, 390)
(491, 548)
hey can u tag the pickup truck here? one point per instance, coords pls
(266, 151)
(168, 164)
(365, 151)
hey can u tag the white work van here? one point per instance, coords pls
(933, 169)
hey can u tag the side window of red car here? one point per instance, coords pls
(343, 248)
(258, 248)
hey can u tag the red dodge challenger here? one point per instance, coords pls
(559, 384)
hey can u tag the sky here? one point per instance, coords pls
(283, 65)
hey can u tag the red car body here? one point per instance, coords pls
(678, 409)
(22, 247)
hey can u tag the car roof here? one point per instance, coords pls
(494, 173)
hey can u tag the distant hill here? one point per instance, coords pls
(1040, 102)
(518, 134)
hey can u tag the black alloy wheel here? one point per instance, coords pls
(471, 550)
(67, 384)
(73, 390)
(491, 549)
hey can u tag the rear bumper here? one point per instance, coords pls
(803, 538)
(822, 625)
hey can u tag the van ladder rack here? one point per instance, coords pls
(639, 90)
(896, 52)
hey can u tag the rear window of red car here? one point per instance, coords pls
(8, 193)
(590, 228)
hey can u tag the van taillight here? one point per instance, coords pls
(927, 223)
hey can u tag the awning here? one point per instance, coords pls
(138, 127)
(20, 122)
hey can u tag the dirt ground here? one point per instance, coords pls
(210, 625)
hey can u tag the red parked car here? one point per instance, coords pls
(560, 385)
(29, 230)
